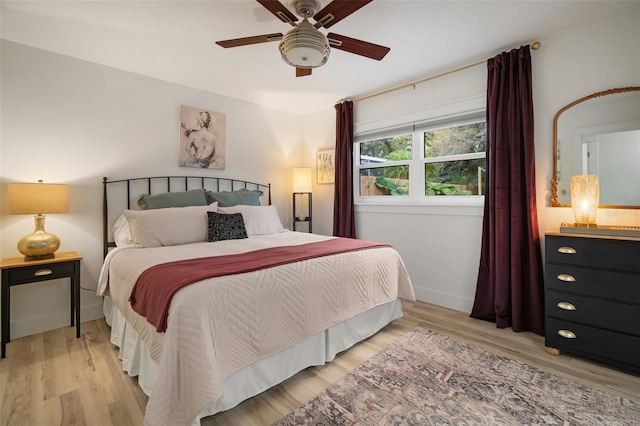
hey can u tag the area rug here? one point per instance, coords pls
(425, 378)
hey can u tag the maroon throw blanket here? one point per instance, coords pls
(155, 287)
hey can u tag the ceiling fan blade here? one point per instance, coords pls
(278, 9)
(245, 41)
(337, 10)
(359, 47)
(301, 72)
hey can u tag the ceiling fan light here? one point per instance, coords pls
(305, 56)
(304, 46)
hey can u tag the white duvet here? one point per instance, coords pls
(220, 325)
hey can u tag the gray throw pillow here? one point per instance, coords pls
(233, 198)
(195, 197)
(226, 227)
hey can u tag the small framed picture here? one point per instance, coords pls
(326, 166)
(202, 138)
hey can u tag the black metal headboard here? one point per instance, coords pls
(160, 184)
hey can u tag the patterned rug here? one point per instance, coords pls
(429, 379)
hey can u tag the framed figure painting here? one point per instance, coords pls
(325, 165)
(202, 138)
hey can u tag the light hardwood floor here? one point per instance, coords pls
(53, 378)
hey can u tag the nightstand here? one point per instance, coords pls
(17, 271)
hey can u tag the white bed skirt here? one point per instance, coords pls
(263, 374)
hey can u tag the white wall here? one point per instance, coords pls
(441, 246)
(319, 132)
(571, 64)
(70, 121)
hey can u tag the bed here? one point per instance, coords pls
(246, 304)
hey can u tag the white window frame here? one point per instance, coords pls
(417, 163)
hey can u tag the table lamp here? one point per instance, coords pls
(585, 197)
(38, 198)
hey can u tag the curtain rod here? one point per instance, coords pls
(535, 46)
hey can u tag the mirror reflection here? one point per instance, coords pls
(600, 134)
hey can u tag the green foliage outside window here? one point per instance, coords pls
(446, 177)
(456, 140)
(382, 148)
(392, 187)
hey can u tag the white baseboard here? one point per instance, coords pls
(52, 320)
(440, 298)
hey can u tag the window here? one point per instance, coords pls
(430, 159)
(454, 158)
(384, 165)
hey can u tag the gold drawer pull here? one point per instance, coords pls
(41, 272)
(567, 250)
(566, 306)
(566, 277)
(567, 334)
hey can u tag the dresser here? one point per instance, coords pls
(592, 298)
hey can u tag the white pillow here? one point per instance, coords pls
(122, 232)
(258, 220)
(169, 227)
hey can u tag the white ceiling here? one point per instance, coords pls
(174, 41)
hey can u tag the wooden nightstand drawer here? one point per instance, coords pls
(593, 282)
(613, 316)
(602, 345)
(41, 272)
(610, 254)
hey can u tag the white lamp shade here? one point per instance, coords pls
(302, 179)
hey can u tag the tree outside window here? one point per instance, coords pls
(463, 147)
(448, 160)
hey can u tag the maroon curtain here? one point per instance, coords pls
(510, 289)
(344, 224)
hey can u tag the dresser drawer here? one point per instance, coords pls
(605, 314)
(594, 252)
(606, 346)
(41, 272)
(593, 282)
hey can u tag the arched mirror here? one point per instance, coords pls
(599, 134)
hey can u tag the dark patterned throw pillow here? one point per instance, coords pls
(226, 227)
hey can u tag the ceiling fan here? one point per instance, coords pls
(305, 47)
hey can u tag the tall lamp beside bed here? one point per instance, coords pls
(302, 195)
(212, 302)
